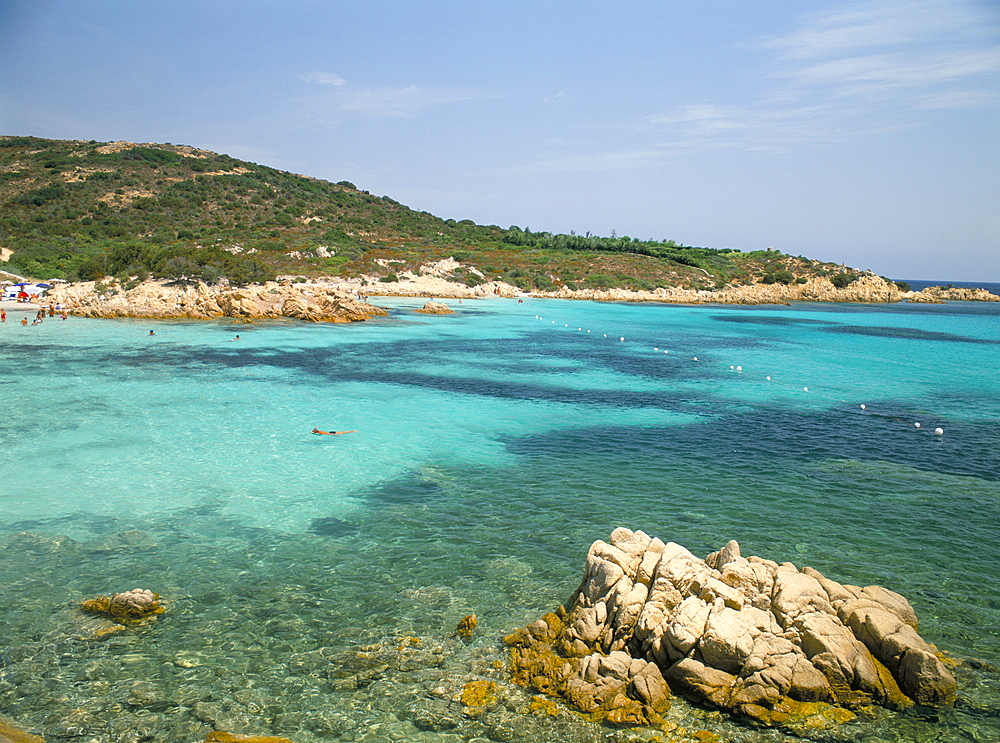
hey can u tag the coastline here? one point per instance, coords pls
(345, 300)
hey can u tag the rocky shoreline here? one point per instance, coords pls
(340, 300)
(166, 300)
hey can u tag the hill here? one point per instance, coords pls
(85, 210)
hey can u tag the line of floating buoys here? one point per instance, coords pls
(739, 369)
(916, 424)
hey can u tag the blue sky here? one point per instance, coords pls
(858, 132)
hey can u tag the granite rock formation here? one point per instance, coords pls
(941, 294)
(162, 299)
(748, 635)
(435, 308)
(127, 606)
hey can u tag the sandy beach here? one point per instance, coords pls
(25, 307)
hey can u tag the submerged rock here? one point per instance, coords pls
(761, 639)
(466, 627)
(331, 526)
(221, 737)
(11, 734)
(128, 606)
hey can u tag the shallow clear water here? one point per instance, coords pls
(492, 447)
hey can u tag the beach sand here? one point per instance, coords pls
(20, 307)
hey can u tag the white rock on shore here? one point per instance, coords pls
(164, 299)
(749, 635)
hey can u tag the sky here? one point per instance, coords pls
(864, 132)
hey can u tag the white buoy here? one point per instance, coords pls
(917, 424)
(622, 338)
(565, 326)
(805, 389)
(579, 328)
(588, 331)
(695, 358)
(732, 367)
(605, 335)
(739, 368)
(655, 348)
(666, 352)
(768, 379)
(939, 432)
(863, 406)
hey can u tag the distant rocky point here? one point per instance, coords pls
(941, 294)
(763, 640)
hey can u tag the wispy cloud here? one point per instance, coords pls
(589, 162)
(881, 24)
(400, 102)
(861, 69)
(325, 78)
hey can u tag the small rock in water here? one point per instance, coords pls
(466, 626)
(329, 526)
(127, 606)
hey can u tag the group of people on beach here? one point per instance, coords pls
(22, 296)
(40, 315)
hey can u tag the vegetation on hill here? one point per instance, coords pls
(84, 210)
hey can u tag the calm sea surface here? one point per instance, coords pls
(314, 582)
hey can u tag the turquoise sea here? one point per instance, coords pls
(314, 583)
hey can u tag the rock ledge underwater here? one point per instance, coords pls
(760, 639)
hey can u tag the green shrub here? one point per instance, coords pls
(600, 281)
(780, 276)
(843, 280)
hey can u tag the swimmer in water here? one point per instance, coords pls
(330, 433)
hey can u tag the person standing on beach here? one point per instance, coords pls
(3, 315)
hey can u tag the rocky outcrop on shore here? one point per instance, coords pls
(941, 294)
(435, 308)
(760, 639)
(164, 299)
(866, 288)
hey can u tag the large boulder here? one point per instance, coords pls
(761, 639)
(435, 308)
